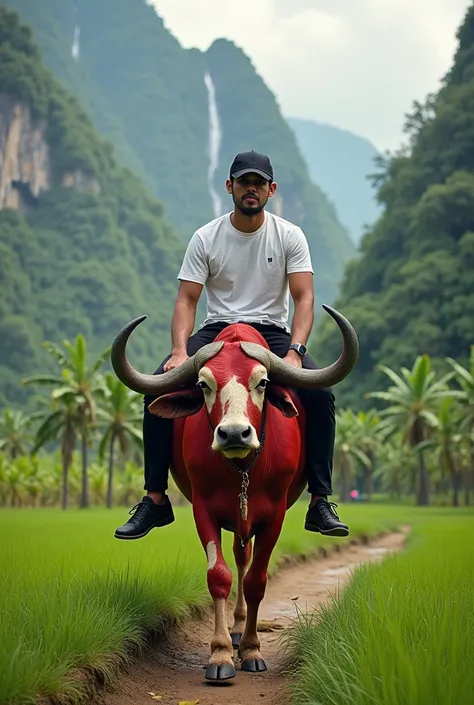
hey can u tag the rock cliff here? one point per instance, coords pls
(25, 163)
(25, 168)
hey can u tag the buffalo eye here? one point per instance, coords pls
(262, 384)
(204, 386)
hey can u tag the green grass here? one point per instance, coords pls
(403, 631)
(73, 597)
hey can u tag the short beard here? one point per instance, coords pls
(249, 210)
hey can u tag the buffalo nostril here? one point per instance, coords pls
(222, 434)
(247, 432)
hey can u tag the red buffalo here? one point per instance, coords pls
(238, 457)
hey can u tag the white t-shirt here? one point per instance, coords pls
(245, 274)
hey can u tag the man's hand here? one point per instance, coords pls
(292, 358)
(175, 360)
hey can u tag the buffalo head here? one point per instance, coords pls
(231, 379)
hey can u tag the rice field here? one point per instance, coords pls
(73, 597)
(403, 631)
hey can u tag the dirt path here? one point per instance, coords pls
(175, 670)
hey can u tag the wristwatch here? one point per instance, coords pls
(300, 349)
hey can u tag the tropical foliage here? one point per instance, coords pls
(411, 289)
(423, 435)
(72, 410)
(85, 442)
(84, 439)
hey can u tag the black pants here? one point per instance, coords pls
(319, 405)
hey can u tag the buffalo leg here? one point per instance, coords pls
(219, 581)
(242, 559)
(255, 583)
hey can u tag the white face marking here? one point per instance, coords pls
(211, 551)
(210, 394)
(234, 398)
(257, 393)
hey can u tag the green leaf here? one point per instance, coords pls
(43, 380)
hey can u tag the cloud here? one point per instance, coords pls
(358, 65)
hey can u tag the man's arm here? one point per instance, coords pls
(302, 293)
(192, 277)
(182, 323)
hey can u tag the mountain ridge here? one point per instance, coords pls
(340, 162)
(147, 94)
(83, 245)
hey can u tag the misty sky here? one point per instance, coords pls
(357, 64)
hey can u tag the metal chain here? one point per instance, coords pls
(243, 495)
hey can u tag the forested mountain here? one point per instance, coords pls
(53, 23)
(411, 290)
(157, 90)
(83, 247)
(297, 198)
(149, 96)
(340, 163)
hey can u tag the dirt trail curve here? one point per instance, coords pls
(175, 669)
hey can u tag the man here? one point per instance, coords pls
(249, 260)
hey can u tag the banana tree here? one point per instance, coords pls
(445, 443)
(396, 467)
(347, 450)
(369, 441)
(465, 379)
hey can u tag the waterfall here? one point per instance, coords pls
(75, 44)
(77, 32)
(215, 138)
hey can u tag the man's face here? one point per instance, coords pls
(250, 193)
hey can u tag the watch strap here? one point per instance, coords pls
(299, 348)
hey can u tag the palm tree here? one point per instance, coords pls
(60, 425)
(414, 399)
(346, 449)
(75, 388)
(14, 433)
(119, 415)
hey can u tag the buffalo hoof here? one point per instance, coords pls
(236, 637)
(253, 665)
(219, 672)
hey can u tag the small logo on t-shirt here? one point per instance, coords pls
(270, 259)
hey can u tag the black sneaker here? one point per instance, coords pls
(322, 517)
(148, 515)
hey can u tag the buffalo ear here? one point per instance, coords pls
(178, 404)
(280, 398)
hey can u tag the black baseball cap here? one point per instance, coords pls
(251, 163)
